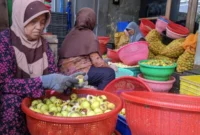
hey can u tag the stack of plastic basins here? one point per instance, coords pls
(125, 84)
(58, 26)
(190, 85)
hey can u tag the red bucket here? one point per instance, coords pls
(102, 43)
(146, 26)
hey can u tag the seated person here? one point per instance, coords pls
(133, 31)
(80, 52)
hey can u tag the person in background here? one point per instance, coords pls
(80, 52)
(27, 65)
(133, 31)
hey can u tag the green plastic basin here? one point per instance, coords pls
(158, 73)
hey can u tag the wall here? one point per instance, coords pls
(128, 10)
(4, 23)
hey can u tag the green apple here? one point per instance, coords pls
(53, 99)
(107, 111)
(44, 108)
(39, 105)
(111, 106)
(85, 104)
(98, 111)
(53, 109)
(103, 107)
(59, 109)
(59, 115)
(91, 113)
(37, 110)
(73, 96)
(64, 113)
(74, 114)
(95, 104)
(103, 97)
(34, 103)
(46, 113)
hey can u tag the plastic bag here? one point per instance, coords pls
(151, 55)
(161, 57)
(154, 40)
(174, 49)
(185, 61)
(120, 39)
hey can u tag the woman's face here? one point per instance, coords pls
(130, 32)
(34, 29)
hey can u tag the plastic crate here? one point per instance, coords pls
(122, 126)
(59, 30)
(190, 85)
(60, 41)
(58, 18)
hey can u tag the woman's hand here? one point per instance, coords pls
(58, 82)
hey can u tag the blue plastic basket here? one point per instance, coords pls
(135, 70)
(123, 72)
(121, 26)
(122, 126)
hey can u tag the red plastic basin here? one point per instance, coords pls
(153, 113)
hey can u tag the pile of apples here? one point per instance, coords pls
(73, 107)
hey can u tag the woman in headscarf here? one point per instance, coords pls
(133, 31)
(27, 65)
(80, 52)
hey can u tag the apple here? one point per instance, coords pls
(53, 99)
(85, 104)
(98, 111)
(107, 111)
(73, 96)
(111, 106)
(91, 113)
(59, 115)
(59, 109)
(75, 114)
(34, 103)
(95, 104)
(64, 113)
(103, 107)
(53, 109)
(46, 112)
(44, 108)
(103, 97)
(39, 105)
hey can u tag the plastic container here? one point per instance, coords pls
(126, 84)
(190, 85)
(158, 86)
(146, 26)
(122, 126)
(123, 72)
(121, 26)
(173, 35)
(113, 55)
(161, 25)
(103, 124)
(131, 53)
(157, 73)
(152, 113)
(135, 70)
(102, 44)
(179, 29)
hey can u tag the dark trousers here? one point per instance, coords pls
(100, 76)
